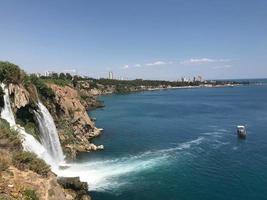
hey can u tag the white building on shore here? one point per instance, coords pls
(110, 75)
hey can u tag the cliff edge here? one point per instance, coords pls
(75, 127)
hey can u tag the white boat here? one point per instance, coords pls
(241, 131)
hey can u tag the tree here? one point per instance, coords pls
(68, 76)
(11, 73)
(62, 76)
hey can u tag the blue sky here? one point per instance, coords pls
(152, 39)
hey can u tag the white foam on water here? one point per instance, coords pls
(235, 148)
(214, 133)
(185, 145)
(108, 174)
(103, 176)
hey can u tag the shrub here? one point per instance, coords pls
(58, 81)
(11, 73)
(5, 197)
(26, 160)
(4, 161)
(29, 194)
(42, 88)
(25, 118)
(10, 136)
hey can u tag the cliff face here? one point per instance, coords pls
(24, 176)
(20, 94)
(69, 111)
(75, 127)
(14, 182)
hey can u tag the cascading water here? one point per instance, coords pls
(29, 142)
(48, 133)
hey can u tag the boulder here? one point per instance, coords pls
(73, 183)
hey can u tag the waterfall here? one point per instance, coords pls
(48, 133)
(29, 143)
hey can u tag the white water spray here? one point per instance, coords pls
(113, 174)
(48, 133)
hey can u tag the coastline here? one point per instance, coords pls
(164, 88)
(197, 86)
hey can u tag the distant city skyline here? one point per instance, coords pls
(147, 39)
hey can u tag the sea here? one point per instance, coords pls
(181, 144)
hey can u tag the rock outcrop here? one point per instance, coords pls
(20, 94)
(70, 106)
(75, 127)
(14, 182)
(73, 184)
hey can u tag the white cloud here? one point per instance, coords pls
(222, 67)
(125, 67)
(199, 61)
(148, 64)
(138, 65)
(159, 63)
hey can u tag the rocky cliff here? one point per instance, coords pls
(69, 109)
(75, 127)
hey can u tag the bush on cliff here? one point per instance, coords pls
(11, 73)
(58, 81)
(9, 139)
(30, 194)
(42, 88)
(4, 160)
(26, 160)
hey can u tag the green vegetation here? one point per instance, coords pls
(11, 73)
(26, 160)
(30, 194)
(10, 138)
(9, 141)
(4, 161)
(5, 197)
(42, 88)
(25, 118)
(59, 79)
(60, 82)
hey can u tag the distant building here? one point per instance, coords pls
(37, 74)
(200, 79)
(72, 72)
(110, 75)
(48, 73)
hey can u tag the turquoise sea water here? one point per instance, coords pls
(182, 144)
